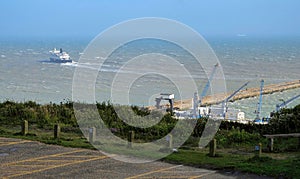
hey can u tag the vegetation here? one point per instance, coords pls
(265, 165)
(45, 116)
(285, 121)
(12, 113)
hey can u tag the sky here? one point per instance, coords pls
(87, 18)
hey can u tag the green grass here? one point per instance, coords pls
(73, 140)
(289, 167)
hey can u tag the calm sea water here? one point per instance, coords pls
(25, 73)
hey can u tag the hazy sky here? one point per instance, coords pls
(48, 18)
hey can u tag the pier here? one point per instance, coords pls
(243, 94)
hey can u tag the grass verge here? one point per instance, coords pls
(289, 167)
(73, 140)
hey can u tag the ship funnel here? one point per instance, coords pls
(60, 50)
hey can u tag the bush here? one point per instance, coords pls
(235, 137)
(12, 113)
(285, 121)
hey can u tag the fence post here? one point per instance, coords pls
(24, 127)
(258, 150)
(130, 138)
(212, 148)
(92, 135)
(170, 140)
(271, 144)
(56, 131)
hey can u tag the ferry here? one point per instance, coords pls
(59, 56)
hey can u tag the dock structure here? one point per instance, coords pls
(243, 94)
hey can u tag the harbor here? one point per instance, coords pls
(215, 106)
(243, 94)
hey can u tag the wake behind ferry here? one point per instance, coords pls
(59, 56)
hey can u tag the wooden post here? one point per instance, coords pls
(56, 131)
(92, 135)
(212, 148)
(170, 141)
(24, 127)
(258, 150)
(271, 144)
(130, 138)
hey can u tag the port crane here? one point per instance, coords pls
(225, 101)
(259, 106)
(279, 106)
(165, 96)
(197, 102)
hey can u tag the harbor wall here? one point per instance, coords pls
(243, 94)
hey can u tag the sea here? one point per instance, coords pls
(26, 73)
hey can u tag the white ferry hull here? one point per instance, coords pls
(60, 61)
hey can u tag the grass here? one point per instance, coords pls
(73, 140)
(289, 167)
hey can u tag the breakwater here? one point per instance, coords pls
(243, 94)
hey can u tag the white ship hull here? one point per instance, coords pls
(60, 60)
